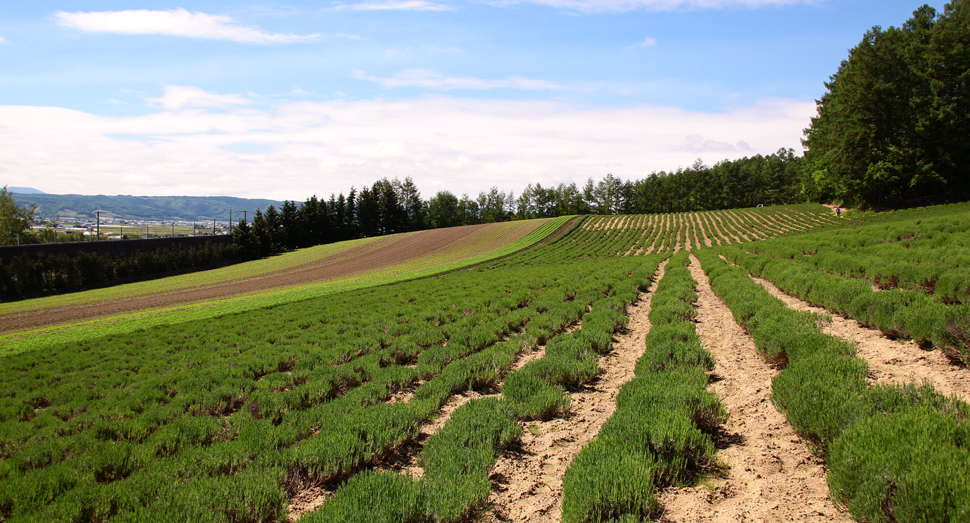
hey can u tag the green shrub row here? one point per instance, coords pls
(926, 253)
(458, 458)
(299, 389)
(897, 312)
(611, 236)
(886, 446)
(187, 401)
(660, 434)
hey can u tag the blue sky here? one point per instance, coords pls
(289, 100)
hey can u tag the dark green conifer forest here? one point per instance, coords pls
(892, 129)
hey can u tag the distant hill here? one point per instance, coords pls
(24, 190)
(156, 208)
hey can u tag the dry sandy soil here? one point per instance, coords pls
(771, 475)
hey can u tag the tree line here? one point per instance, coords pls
(393, 206)
(28, 275)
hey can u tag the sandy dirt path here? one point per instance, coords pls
(528, 479)
(772, 475)
(890, 361)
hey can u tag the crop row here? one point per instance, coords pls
(897, 312)
(929, 254)
(259, 403)
(660, 434)
(644, 234)
(458, 458)
(895, 453)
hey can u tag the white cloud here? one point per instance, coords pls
(172, 22)
(322, 147)
(397, 5)
(2, 40)
(699, 144)
(435, 80)
(647, 42)
(180, 97)
(653, 5)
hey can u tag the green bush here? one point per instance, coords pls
(602, 484)
(910, 466)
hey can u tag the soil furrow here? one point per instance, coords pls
(528, 479)
(890, 361)
(772, 475)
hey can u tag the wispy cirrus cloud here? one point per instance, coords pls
(398, 5)
(173, 22)
(435, 80)
(653, 5)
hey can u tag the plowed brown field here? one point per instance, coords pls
(387, 255)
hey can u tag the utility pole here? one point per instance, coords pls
(230, 221)
(98, 235)
(173, 229)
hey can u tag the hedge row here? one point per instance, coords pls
(660, 434)
(27, 275)
(895, 453)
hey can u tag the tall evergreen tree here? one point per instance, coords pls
(893, 128)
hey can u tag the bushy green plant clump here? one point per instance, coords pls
(661, 431)
(886, 446)
(917, 261)
(458, 458)
(907, 466)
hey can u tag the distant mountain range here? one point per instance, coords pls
(151, 208)
(24, 190)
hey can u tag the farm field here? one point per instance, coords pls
(281, 279)
(625, 371)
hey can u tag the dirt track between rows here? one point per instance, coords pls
(772, 476)
(527, 480)
(896, 362)
(381, 254)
